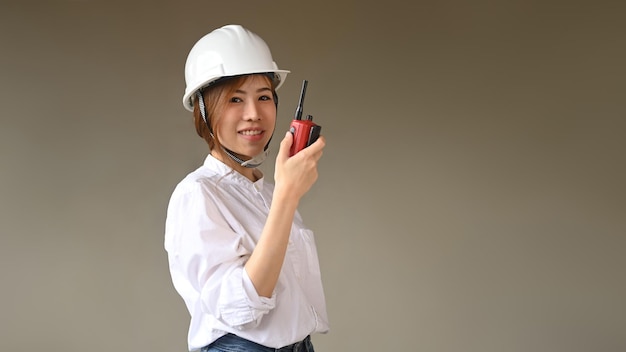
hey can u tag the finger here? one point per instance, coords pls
(285, 145)
(309, 153)
(317, 145)
(321, 140)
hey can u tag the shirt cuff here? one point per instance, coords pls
(240, 305)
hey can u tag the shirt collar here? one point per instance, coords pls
(228, 173)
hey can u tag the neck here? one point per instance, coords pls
(252, 174)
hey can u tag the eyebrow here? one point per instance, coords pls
(258, 90)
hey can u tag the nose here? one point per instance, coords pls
(251, 111)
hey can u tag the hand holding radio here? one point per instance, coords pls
(295, 176)
(305, 132)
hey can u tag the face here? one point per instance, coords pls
(247, 121)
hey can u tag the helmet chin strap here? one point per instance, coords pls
(254, 162)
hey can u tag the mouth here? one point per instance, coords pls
(251, 132)
(252, 135)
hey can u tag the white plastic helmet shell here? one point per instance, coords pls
(227, 51)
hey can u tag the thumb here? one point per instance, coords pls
(285, 145)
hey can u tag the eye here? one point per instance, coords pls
(265, 98)
(235, 100)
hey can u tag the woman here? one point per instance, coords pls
(239, 253)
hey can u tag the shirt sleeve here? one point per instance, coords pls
(207, 259)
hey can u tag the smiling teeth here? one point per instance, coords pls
(250, 133)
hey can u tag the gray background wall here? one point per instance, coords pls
(471, 195)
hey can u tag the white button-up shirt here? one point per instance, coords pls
(214, 220)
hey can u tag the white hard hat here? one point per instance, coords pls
(227, 51)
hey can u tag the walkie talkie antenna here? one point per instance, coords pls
(301, 102)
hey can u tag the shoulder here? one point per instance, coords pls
(198, 185)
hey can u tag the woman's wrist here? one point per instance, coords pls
(286, 197)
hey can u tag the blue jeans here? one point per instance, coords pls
(234, 343)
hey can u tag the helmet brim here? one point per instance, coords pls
(190, 92)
